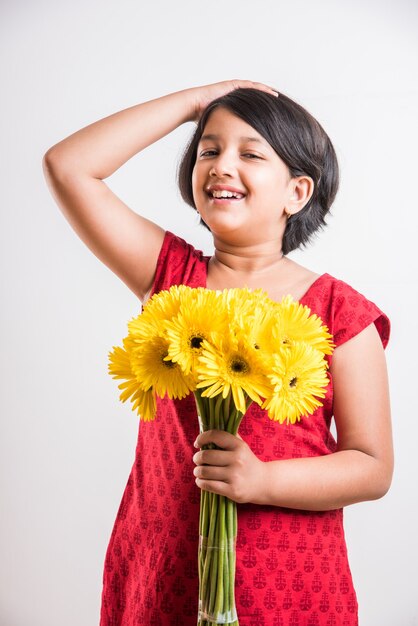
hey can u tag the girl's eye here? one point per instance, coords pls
(247, 154)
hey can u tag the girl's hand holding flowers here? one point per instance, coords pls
(234, 471)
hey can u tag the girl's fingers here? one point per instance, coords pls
(214, 486)
(207, 93)
(221, 438)
(256, 85)
(268, 88)
(220, 458)
(208, 472)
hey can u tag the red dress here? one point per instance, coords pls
(291, 565)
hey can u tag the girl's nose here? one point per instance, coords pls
(220, 171)
(224, 165)
(215, 171)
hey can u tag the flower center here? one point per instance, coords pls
(196, 342)
(293, 382)
(239, 366)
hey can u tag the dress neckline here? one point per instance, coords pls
(305, 295)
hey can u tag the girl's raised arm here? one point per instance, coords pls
(76, 166)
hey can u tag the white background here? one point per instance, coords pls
(67, 443)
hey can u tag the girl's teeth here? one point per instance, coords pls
(226, 194)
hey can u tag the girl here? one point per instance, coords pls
(262, 174)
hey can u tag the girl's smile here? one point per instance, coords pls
(224, 193)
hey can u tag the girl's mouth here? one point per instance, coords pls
(225, 199)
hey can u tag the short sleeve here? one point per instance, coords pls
(179, 263)
(351, 312)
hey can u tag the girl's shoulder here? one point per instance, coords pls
(345, 310)
(179, 263)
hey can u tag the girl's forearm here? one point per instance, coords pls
(99, 149)
(327, 482)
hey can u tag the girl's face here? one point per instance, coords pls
(232, 154)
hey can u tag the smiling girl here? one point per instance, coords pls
(262, 174)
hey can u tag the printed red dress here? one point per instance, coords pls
(291, 567)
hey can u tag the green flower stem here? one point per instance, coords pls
(212, 529)
(213, 558)
(231, 509)
(220, 425)
(219, 602)
(217, 524)
(226, 570)
(211, 415)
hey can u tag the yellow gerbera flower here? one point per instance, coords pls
(232, 366)
(202, 315)
(243, 300)
(259, 332)
(297, 324)
(299, 377)
(120, 368)
(155, 370)
(161, 307)
(251, 316)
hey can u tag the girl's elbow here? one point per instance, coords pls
(381, 490)
(383, 482)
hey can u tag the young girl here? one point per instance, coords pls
(262, 174)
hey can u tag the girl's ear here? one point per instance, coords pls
(301, 191)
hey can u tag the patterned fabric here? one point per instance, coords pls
(292, 567)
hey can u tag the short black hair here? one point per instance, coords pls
(298, 139)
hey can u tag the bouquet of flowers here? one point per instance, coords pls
(230, 348)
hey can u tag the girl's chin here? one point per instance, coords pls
(232, 230)
(222, 220)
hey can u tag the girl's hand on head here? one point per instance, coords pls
(234, 471)
(205, 94)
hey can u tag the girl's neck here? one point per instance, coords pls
(247, 260)
(263, 267)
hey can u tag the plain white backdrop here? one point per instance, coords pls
(67, 442)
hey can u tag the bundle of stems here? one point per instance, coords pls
(217, 525)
